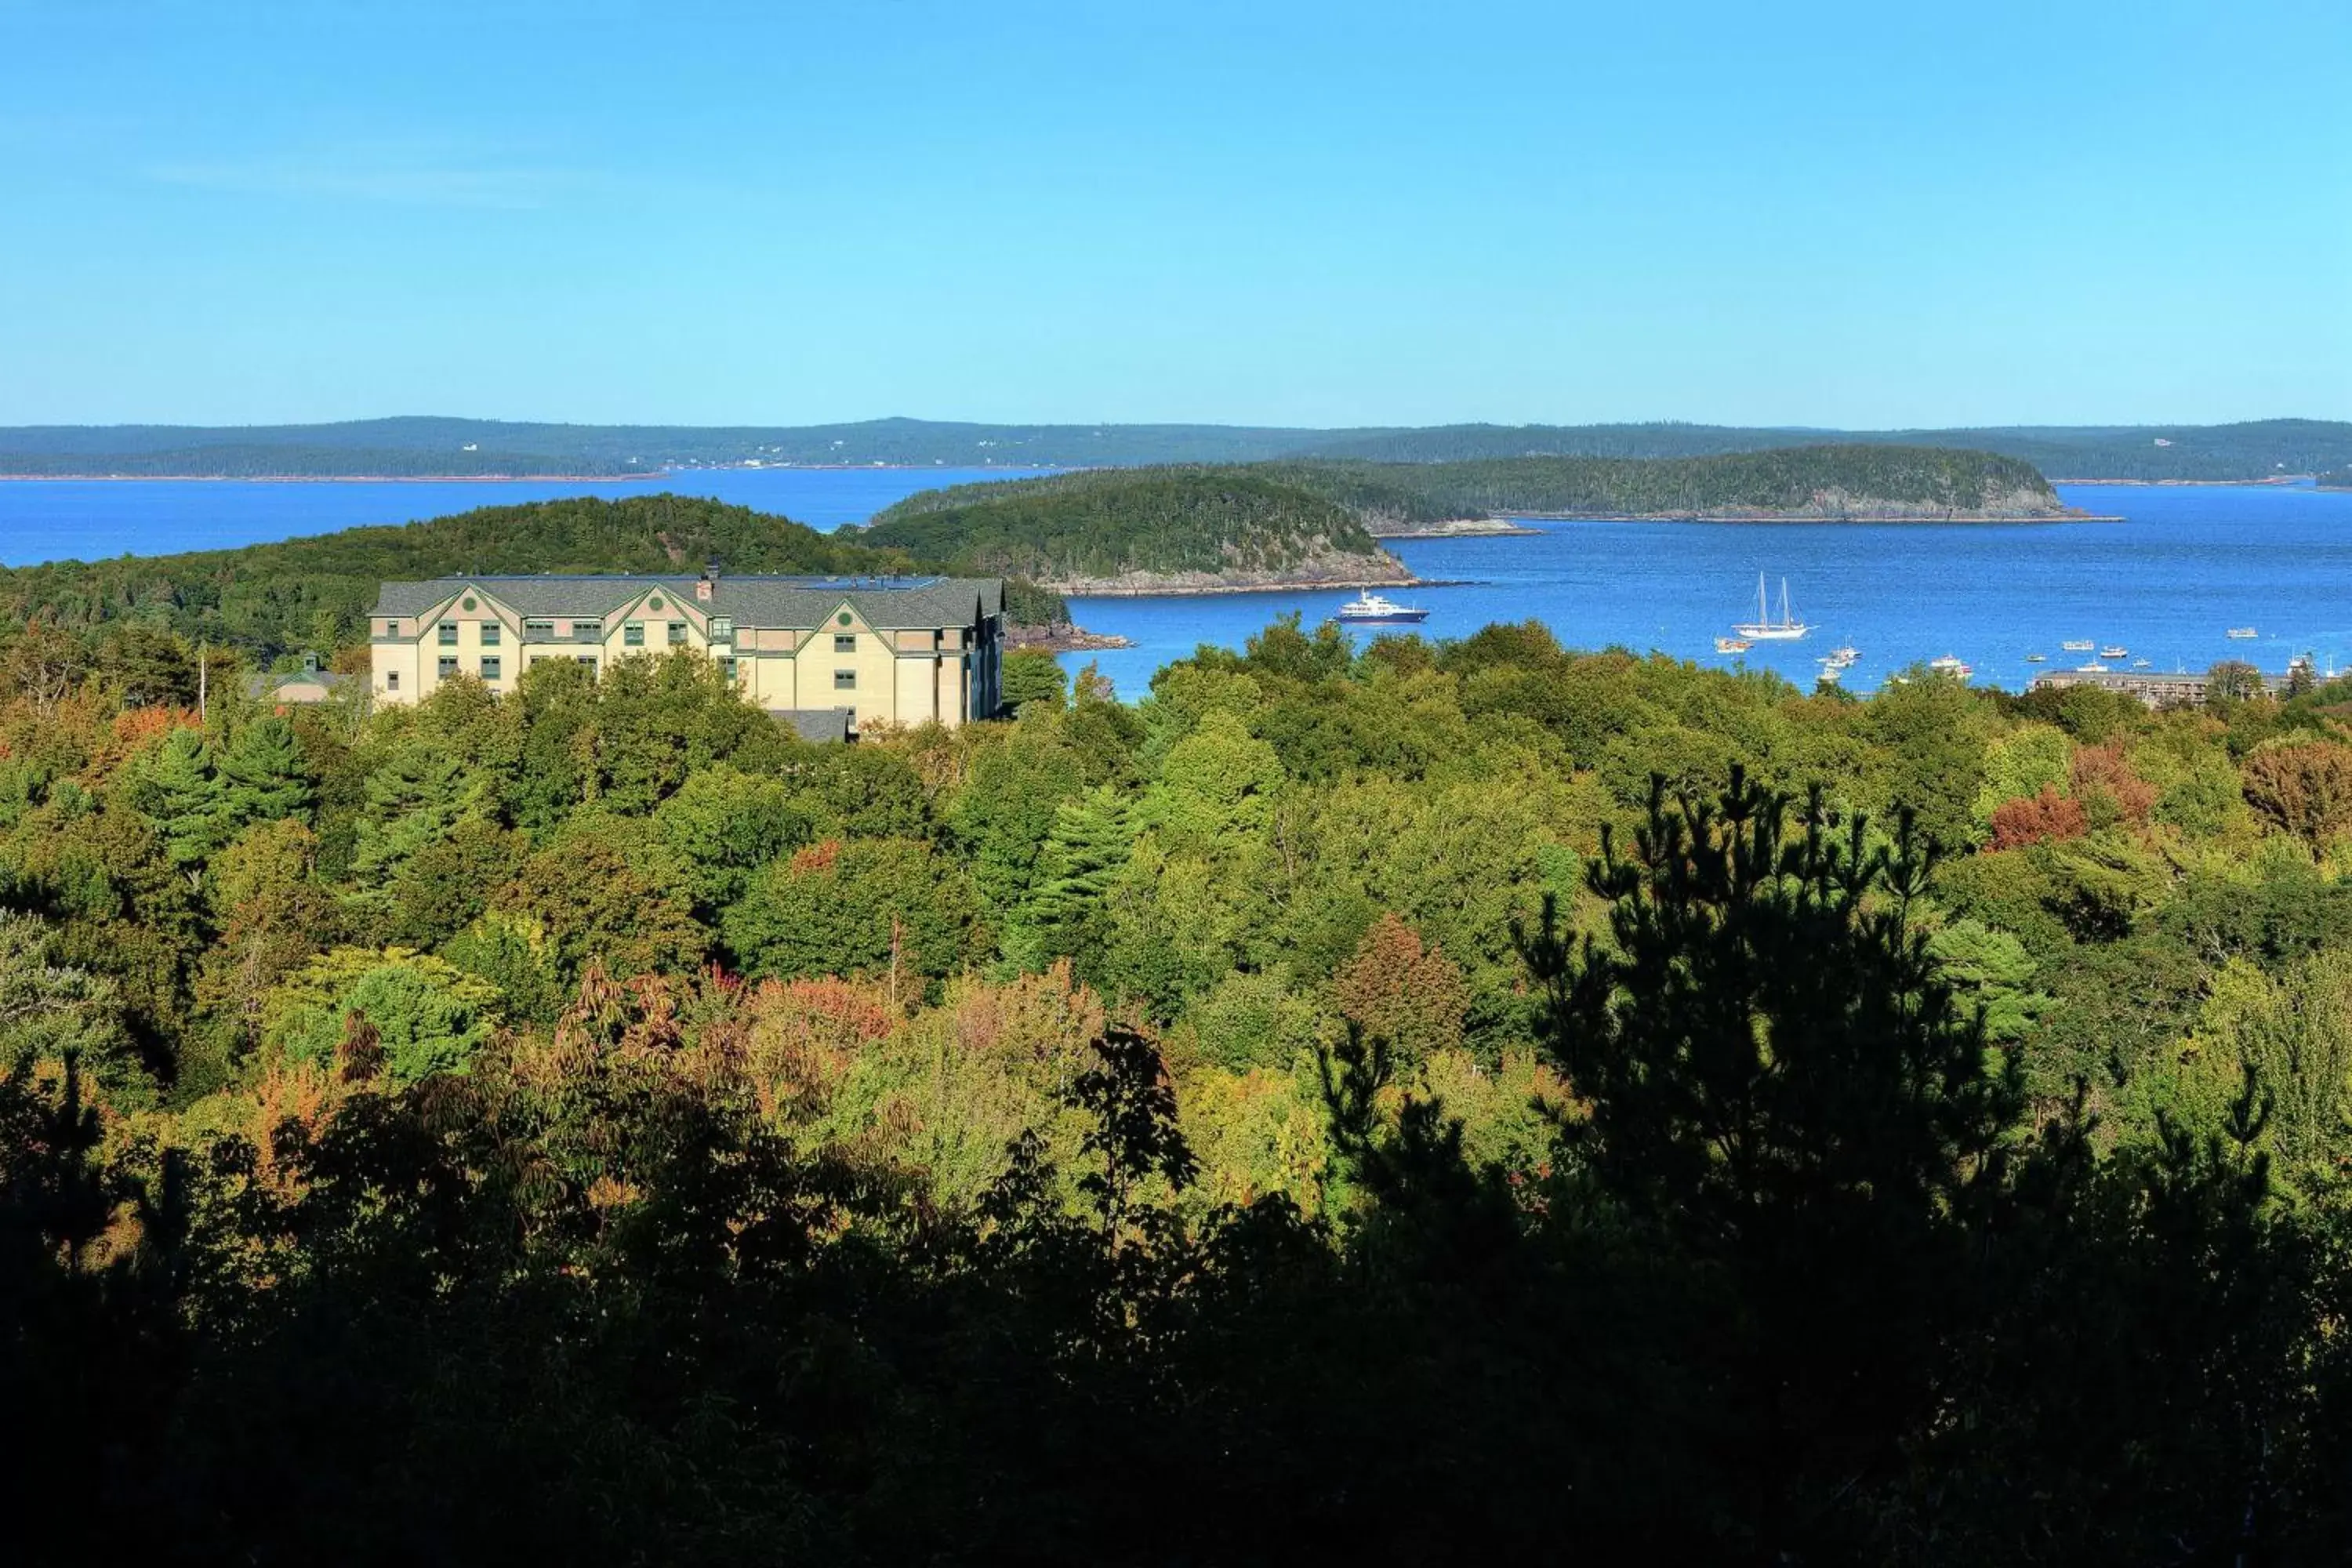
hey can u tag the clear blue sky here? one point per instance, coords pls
(1868, 215)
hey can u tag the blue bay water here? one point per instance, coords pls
(2186, 563)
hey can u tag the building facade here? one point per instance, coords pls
(2157, 688)
(903, 650)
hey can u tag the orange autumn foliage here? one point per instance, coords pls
(2038, 819)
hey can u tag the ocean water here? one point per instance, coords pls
(2187, 565)
(56, 519)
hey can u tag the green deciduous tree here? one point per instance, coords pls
(428, 1015)
(882, 908)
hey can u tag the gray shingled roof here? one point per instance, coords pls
(817, 723)
(795, 602)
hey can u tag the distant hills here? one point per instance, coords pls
(2258, 449)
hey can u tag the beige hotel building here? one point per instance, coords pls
(829, 653)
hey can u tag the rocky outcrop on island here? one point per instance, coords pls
(1319, 566)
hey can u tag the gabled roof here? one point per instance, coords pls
(794, 603)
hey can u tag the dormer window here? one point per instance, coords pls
(723, 629)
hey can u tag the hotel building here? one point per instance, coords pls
(829, 652)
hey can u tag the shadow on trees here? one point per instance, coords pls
(1799, 1286)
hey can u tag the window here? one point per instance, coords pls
(845, 681)
(845, 642)
(470, 601)
(392, 628)
(490, 630)
(587, 658)
(844, 617)
(538, 629)
(726, 670)
(448, 634)
(678, 634)
(633, 635)
(723, 629)
(489, 667)
(391, 680)
(448, 667)
(587, 628)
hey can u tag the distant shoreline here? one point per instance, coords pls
(2157, 484)
(339, 479)
(1982, 520)
(1220, 590)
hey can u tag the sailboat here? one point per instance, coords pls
(1764, 630)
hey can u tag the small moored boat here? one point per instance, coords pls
(1731, 645)
(2242, 634)
(2036, 658)
(2115, 650)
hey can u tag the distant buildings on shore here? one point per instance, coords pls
(826, 654)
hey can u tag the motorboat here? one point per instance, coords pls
(2242, 634)
(1369, 609)
(2078, 645)
(1731, 645)
(2115, 650)
(1952, 664)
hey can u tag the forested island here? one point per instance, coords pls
(2253, 450)
(1142, 531)
(314, 593)
(1829, 484)
(1423, 1101)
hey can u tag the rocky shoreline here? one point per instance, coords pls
(1062, 638)
(1494, 527)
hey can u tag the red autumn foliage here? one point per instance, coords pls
(1396, 989)
(816, 857)
(2038, 819)
(2104, 783)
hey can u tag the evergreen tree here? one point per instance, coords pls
(1785, 1099)
(180, 791)
(263, 774)
(1065, 914)
(412, 801)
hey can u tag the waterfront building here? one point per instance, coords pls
(2155, 687)
(825, 653)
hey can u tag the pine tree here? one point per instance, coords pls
(262, 775)
(1064, 914)
(412, 800)
(179, 790)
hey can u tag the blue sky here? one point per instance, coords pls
(1862, 215)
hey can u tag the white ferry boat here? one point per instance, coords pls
(1952, 664)
(2078, 645)
(1369, 609)
(2242, 634)
(2115, 650)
